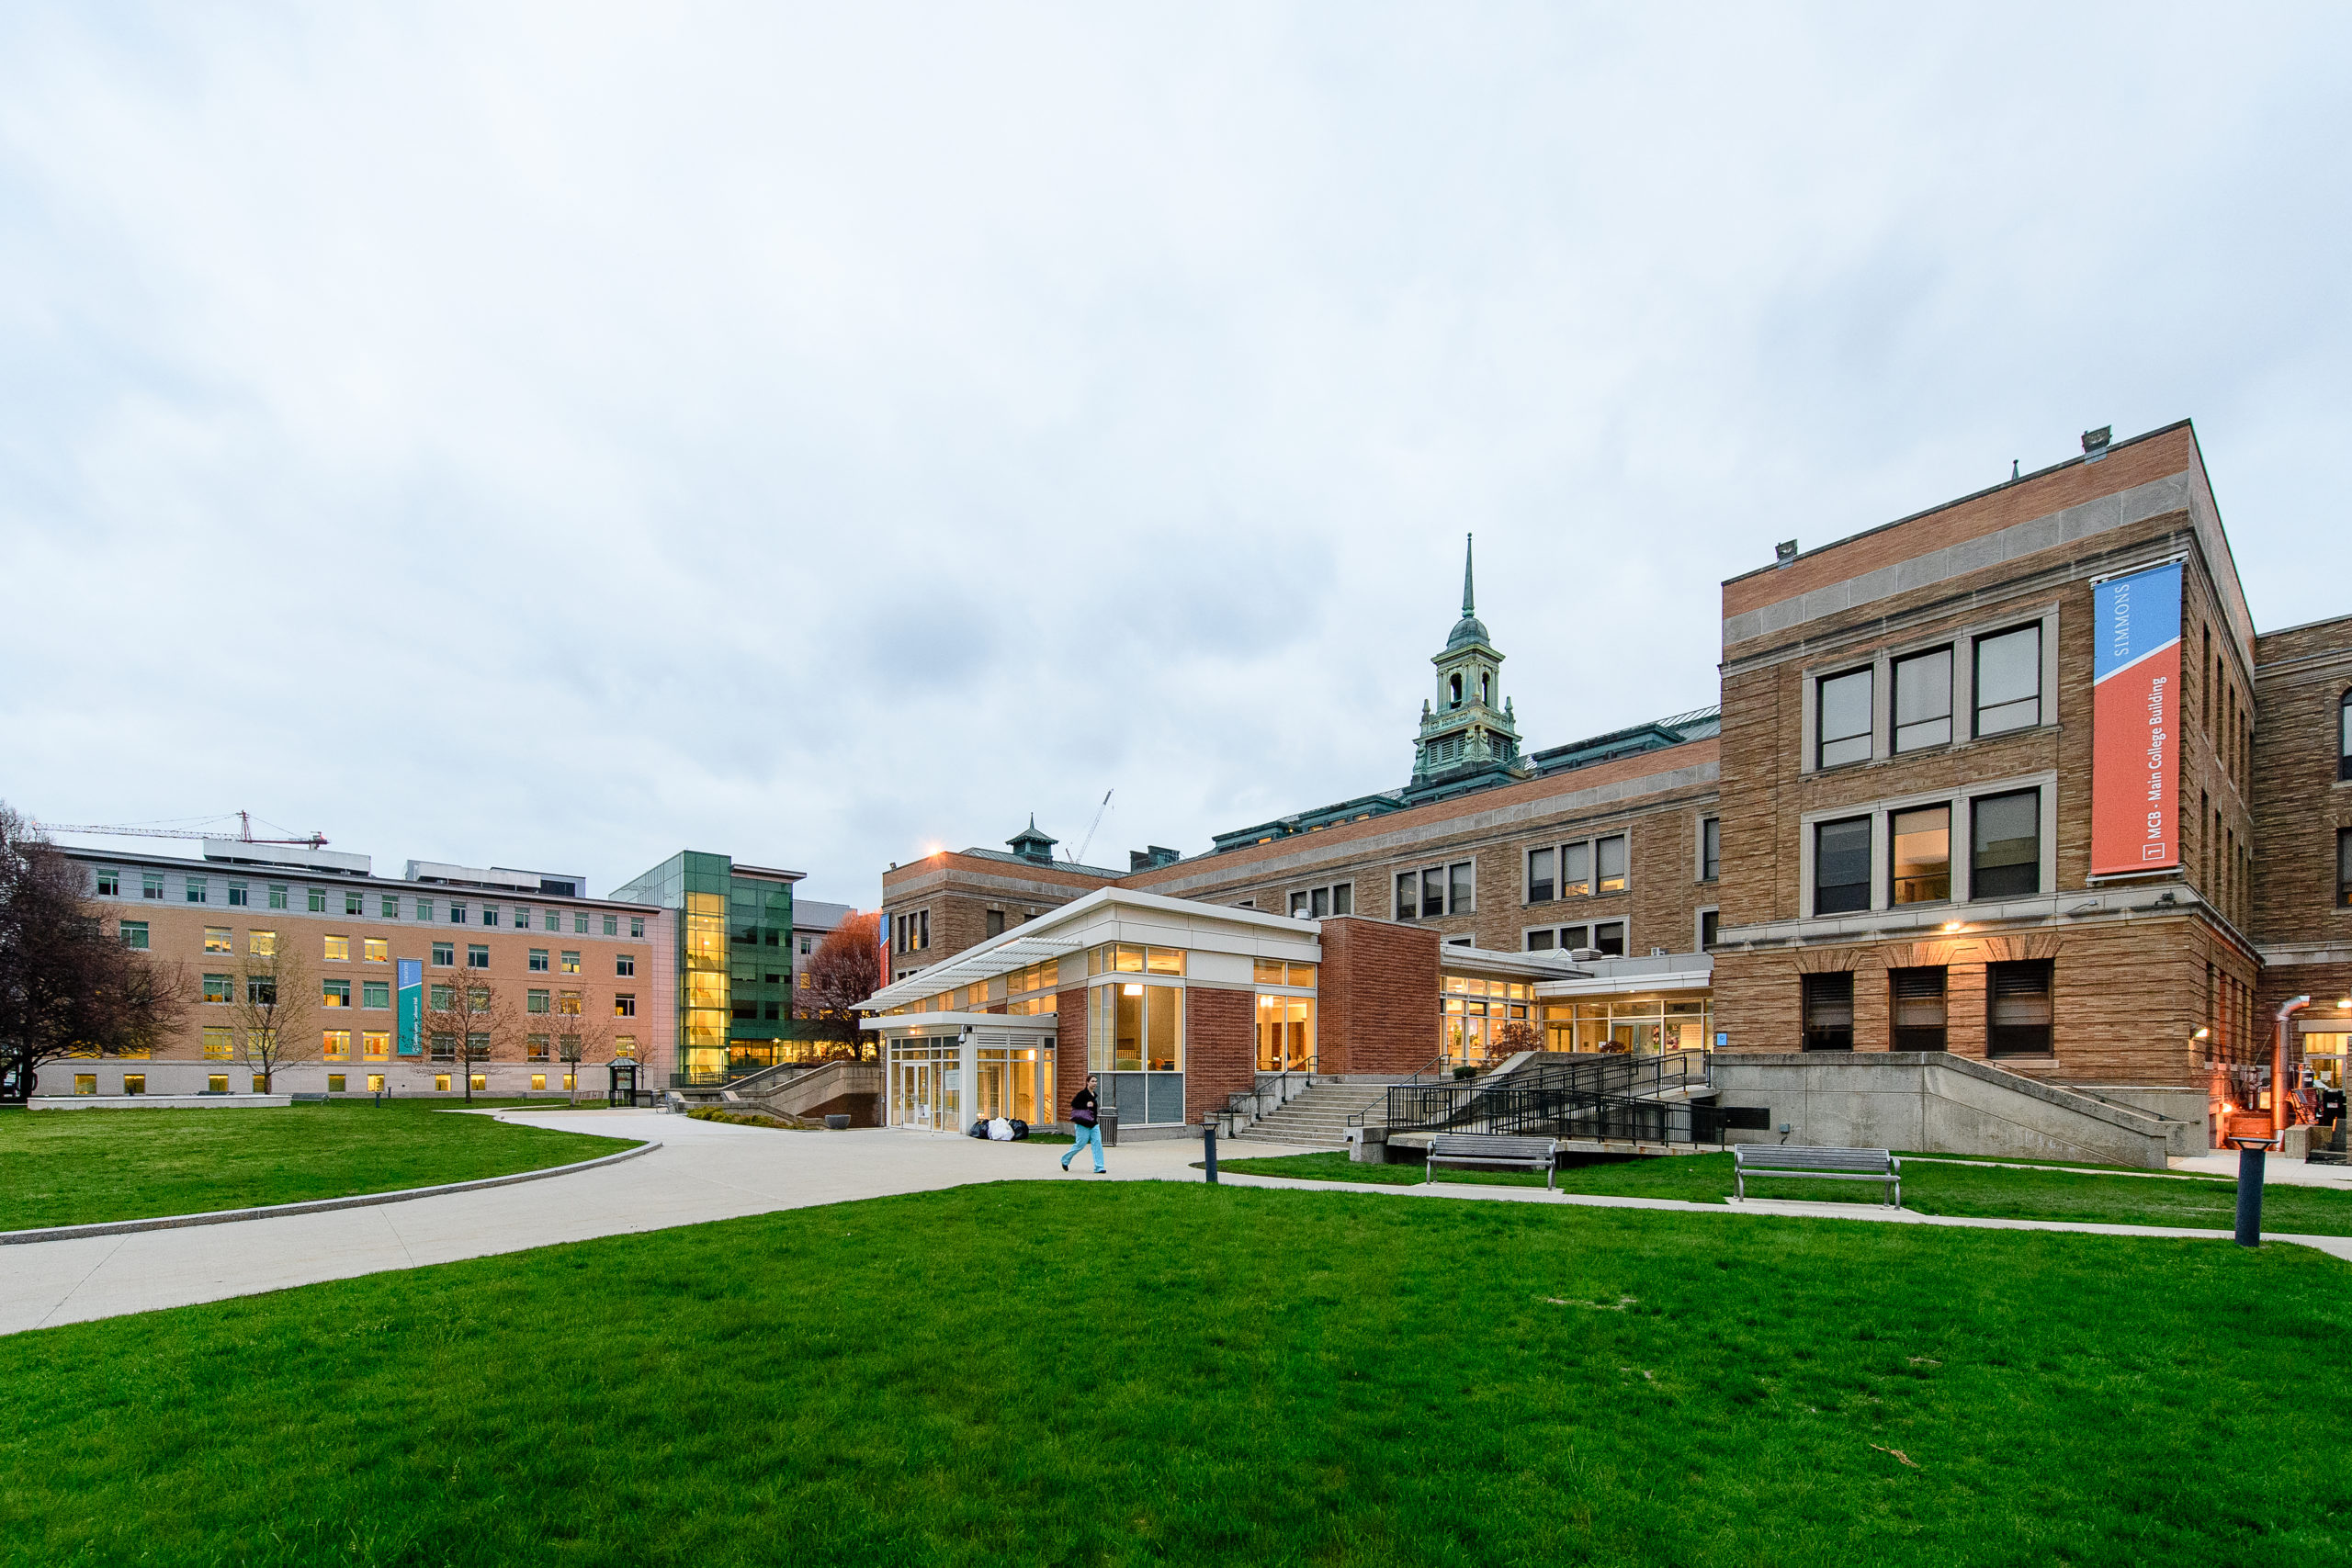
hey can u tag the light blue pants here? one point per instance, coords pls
(1086, 1136)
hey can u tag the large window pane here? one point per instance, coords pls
(2006, 857)
(1845, 720)
(1163, 1029)
(1459, 875)
(1539, 876)
(2344, 737)
(2009, 680)
(1434, 892)
(1127, 1039)
(1922, 854)
(1711, 849)
(2344, 868)
(1841, 866)
(1829, 1012)
(1409, 891)
(1923, 700)
(1918, 1000)
(1576, 870)
(2017, 1002)
(1611, 852)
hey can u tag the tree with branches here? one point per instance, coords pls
(470, 1022)
(842, 972)
(584, 1038)
(68, 986)
(276, 1006)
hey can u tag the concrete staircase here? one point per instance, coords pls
(1317, 1118)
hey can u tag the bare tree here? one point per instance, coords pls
(276, 1006)
(844, 972)
(68, 985)
(583, 1038)
(474, 1018)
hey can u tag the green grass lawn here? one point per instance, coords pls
(71, 1168)
(1929, 1187)
(1157, 1373)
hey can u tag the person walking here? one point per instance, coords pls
(1085, 1118)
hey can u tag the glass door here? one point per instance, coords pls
(911, 1095)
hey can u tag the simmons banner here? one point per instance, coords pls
(409, 974)
(2135, 729)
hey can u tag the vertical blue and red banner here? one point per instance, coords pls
(2135, 723)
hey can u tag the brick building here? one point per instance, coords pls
(548, 960)
(2012, 779)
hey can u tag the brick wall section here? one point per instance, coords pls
(959, 890)
(1220, 1047)
(2300, 806)
(2129, 994)
(1069, 1050)
(1377, 998)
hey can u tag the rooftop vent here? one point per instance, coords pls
(1144, 859)
(1784, 552)
(2094, 443)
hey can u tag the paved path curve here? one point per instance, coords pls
(705, 1170)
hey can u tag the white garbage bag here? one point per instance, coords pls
(999, 1131)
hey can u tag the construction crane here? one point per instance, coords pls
(315, 840)
(1088, 842)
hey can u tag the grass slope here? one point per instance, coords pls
(72, 1168)
(1178, 1374)
(1928, 1187)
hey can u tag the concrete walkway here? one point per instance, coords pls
(705, 1170)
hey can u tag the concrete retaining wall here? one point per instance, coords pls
(159, 1102)
(1937, 1103)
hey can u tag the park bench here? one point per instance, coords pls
(1818, 1164)
(1489, 1148)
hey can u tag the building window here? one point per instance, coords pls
(551, 921)
(1409, 895)
(1922, 861)
(425, 908)
(570, 962)
(375, 1044)
(444, 998)
(624, 1046)
(109, 882)
(2005, 861)
(219, 988)
(195, 892)
(636, 927)
(2009, 680)
(238, 895)
(444, 954)
(625, 965)
(522, 918)
(1843, 718)
(217, 939)
(377, 950)
(535, 1001)
(624, 1004)
(151, 885)
(335, 1045)
(335, 993)
(1438, 890)
(1608, 938)
(334, 1083)
(375, 1083)
(1711, 849)
(86, 1083)
(534, 1047)
(1922, 701)
(1709, 922)
(2344, 737)
(612, 924)
(277, 891)
(2018, 1001)
(481, 1081)
(995, 922)
(1314, 903)
(441, 1080)
(351, 900)
(338, 949)
(477, 956)
(318, 900)
(1576, 870)
(808, 946)
(376, 994)
(490, 913)
(132, 933)
(216, 1083)
(262, 945)
(1829, 1012)
(1539, 875)
(538, 960)
(390, 906)
(220, 1043)
(1610, 855)
(1539, 942)
(457, 914)
(1841, 866)
(134, 1083)
(1918, 999)
(2344, 868)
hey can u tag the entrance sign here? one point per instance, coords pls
(2135, 728)
(410, 973)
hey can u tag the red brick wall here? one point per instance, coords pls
(1069, 1050)
(1378, 996)
(1220, 1047)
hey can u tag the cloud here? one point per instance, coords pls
(558, 435)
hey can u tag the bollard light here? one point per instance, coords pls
(1208, 1145)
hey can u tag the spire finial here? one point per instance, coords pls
(1468, 598)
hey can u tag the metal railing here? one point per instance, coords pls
(1620, 1099)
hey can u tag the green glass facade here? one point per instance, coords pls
(734, 961)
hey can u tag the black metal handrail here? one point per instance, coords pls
(1569, 1099)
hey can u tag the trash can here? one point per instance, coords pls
(835, 1121)
(1110, 1129)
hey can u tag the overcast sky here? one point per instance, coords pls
(557, 437)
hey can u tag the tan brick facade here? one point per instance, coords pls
(2302, 806)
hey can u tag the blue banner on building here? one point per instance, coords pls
(411, 975)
